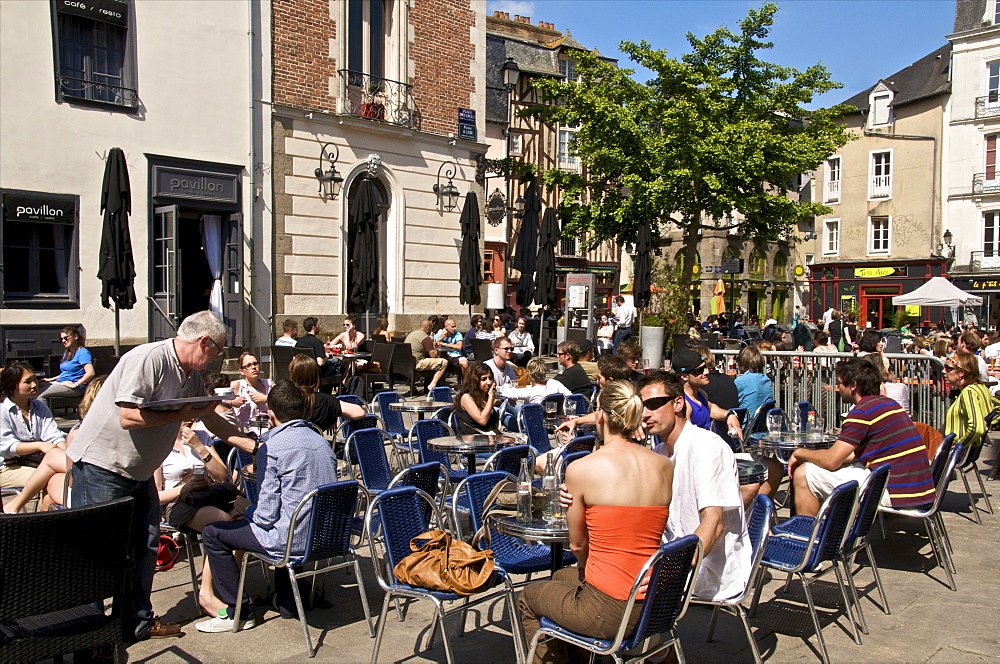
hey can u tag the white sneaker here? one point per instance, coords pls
(221, 623)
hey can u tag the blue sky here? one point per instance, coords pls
(859, 41)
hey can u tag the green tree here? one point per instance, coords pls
(714, 131)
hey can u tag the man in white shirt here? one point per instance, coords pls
(291, 329)
(499, 364)
(706, 493)
(827, 318)
(626, 317)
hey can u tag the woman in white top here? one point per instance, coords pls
(251, 391)
(350, 339)
(524, 347)
(190, 466)
(539, 389)
(605, 333)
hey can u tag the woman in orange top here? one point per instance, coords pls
(621, 498)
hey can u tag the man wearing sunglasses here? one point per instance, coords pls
(693, 371)
(706, 494)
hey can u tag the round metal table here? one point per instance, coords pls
(418, 406)
(472, 444)
(554, 534)
(751, 472)
(782, 443)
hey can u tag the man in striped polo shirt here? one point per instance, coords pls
(876, 431)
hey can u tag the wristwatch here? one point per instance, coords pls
(207, 457)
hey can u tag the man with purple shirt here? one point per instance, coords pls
(876, 431)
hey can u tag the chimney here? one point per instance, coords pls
(506, 15)
(517, 17)
(497, 13)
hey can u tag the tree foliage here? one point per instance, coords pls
(715, 130)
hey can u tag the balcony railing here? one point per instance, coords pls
(881, 186)
(989, 106)
(833, 191)
(378, 99)
(81, 88)
(984, 261)
(982, 185)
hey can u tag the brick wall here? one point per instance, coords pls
(443, 57)
(302, 66)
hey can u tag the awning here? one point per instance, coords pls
(108, 11)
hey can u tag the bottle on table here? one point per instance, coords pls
(550, 488)
(524, 493)
(810, 423)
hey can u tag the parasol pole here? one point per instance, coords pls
(117, 333)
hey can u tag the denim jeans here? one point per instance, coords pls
(622, 334)
(221, 540)
(90, 485)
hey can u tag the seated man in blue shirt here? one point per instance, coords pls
(295, 460)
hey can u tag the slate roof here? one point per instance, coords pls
(530, 58)
(969, 14)
(925, 78)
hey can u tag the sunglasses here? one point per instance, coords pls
(952, 367)
(216, 345)
(700, 369)
(656, 403)
(507, 348)
(250, 365)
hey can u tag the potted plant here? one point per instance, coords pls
(373, 109)
(652, 335)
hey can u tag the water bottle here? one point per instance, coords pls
(524, 493)
(550, 488)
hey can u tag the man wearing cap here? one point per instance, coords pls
(693, 371)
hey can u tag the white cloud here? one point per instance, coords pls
(511, 6)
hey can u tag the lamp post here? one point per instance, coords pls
(447, 193)
(330, 180)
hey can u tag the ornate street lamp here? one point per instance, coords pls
(447, 193)
(330, 181)
(511, 72)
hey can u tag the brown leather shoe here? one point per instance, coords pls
(162, 630)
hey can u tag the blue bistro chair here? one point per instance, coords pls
(366, 448)
(786, 550)
(398, 515)
(672, 571)
(758, 420)
(758, 527)
(331, 509)
(425, 430)
(353, 399)
(395, 427)
(442, 393)
(531, 422)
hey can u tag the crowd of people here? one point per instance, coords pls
(660, 471)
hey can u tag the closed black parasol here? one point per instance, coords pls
(527, 245)
(545, 263)
(643, 267)
(470, 261)
(362, 270)
(116, 268)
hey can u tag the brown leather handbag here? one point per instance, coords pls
(440, 562)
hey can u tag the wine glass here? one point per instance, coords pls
(569, 407)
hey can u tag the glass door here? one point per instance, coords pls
(164, 274)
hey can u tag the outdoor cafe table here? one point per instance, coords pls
(789, 441)
(472, 444)
(418, 406)
(554, 534)
(751, 472)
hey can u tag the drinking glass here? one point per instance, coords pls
(796, 420)
(645, 365)
(569, 408)
(818, 425)
(774, 422)
(550, 408)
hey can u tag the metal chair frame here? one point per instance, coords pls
(388, 508)
(856, 541)
(418, 442)
(395, 427)
(340, 524)
(802, 555)
(531, 422)
(946, 461)
(758, 527)
(683, 555)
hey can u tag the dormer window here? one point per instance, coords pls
(880, 113)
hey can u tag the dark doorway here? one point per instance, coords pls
(194, 289)
(381, 306)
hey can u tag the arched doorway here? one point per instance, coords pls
(378, 252)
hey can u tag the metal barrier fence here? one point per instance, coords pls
(811, 377)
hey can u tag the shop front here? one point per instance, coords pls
(987, 287)
(196, 244)
(868, 289)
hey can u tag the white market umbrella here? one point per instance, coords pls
(938, 292)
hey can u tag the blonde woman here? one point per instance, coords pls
(250, 389)
(620, 502)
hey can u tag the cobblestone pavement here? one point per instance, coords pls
(928, 621)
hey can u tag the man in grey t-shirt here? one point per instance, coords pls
(120, 443)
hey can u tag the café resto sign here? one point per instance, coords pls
(108, 11)
(39, 208)
(879, 272)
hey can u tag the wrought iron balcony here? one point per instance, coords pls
(989, 106)
(982, 185)
(81, 88)
(378, 99)
(984, 261)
